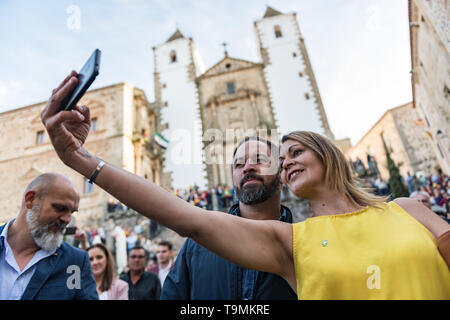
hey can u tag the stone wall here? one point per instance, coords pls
(430, 56)
(22, 159)
(411, 147)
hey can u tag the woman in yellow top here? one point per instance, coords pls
(354, 247)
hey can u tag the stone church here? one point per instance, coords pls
(209, 112)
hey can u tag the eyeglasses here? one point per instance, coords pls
(137, 257)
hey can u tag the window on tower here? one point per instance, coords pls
(94, 124)
(40, 137)
(173, 56)
(230, 88)
(277, 30)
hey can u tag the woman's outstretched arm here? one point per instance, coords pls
(261, 245)
(437, 226)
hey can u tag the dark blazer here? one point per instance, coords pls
(65, 275)
(199, 274)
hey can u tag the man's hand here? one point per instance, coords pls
(81, 236)
(67, 130)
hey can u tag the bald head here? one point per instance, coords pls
(47, 207)
(43, 184)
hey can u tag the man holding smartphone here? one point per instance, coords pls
(35, 263)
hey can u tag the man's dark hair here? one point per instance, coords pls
(273, 147)
(168, 244)
(139, 248)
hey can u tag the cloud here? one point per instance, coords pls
(3, 91)
(9, 88)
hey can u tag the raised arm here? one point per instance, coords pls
(437, 226)
(260, 245)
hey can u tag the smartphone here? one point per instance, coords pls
(70, 230)
(85, 77)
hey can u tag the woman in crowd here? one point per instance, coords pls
(102, 264)
(355, 246)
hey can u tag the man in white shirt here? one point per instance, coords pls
(164, 255)
(35, 262)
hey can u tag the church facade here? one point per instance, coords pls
(235, 97)
(234, 103)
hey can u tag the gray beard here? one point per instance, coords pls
(42, 236)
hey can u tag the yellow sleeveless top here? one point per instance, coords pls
(368, 254)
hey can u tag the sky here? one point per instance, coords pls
(359, 49)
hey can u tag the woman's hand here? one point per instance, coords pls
(67, 130)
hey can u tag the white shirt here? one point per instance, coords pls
(162, 274)
(13, 281)
(104, 295)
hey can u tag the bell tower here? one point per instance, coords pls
(289, 75)
(177, 63)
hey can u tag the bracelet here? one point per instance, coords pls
(97, 170)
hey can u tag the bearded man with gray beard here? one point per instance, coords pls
(199, 274)
(35, 262)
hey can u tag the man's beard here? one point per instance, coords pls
(42, 235)
(255, 194)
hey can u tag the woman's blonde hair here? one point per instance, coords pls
(338, 175)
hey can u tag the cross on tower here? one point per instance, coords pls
(224, 44)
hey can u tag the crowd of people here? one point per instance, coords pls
(217, 198)
(120, 255)
(435, 186)
(361, 170)
(126, 265)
